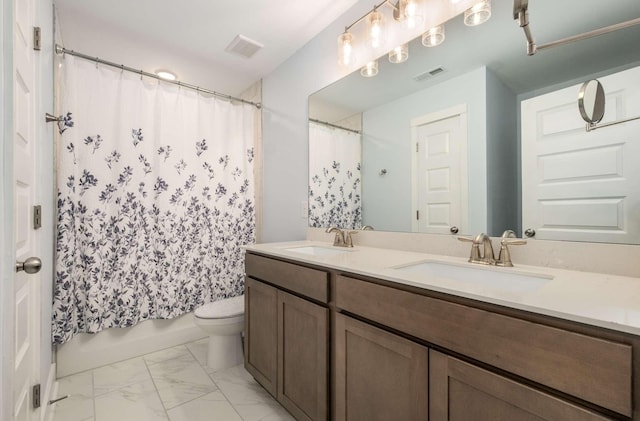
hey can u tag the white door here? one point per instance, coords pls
(440, 172)
(26, 298)
(578, 185)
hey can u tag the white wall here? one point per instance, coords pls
(386, 203)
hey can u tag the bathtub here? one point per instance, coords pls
(87, 351)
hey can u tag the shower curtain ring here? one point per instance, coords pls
(121, 68)
(96, 60)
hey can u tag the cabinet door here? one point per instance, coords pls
(461, 391)
(303, 336)
(378, 375)
(261, 333)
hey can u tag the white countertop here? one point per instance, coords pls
(596, 299)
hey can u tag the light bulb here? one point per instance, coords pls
(370, 69)
(375, 30)
(413, 19)
(345, 49)
(165, 74)
(478, 13)
(399, 54)
(433, 37)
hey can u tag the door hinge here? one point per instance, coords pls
(36, 396)
(37, 38)
(37, 217)
(417, 214)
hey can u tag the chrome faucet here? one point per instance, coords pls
(340, 239)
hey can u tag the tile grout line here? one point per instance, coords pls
(155, 386)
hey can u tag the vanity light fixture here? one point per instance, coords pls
(345, 49)
(407, 12)
(478, 13)
(399, 54)
(433, 37)
(165, 74)
(370, 69)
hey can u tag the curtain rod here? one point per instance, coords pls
(335, 126)
(61, 50)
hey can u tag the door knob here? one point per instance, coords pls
(530, 232)
(31, 265)
(454, 230)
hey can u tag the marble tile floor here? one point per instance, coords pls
(174, 384)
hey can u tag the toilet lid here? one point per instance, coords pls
(227, 307)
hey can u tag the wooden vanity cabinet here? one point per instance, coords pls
(403, 353)
(287, 334)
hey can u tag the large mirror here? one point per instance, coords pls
(367, 165)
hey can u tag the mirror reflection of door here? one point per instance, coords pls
(439, 171)
(579, 185)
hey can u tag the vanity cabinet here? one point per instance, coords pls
(379, 375)
(407, 353)
(287, 334)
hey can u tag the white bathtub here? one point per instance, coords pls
(87, 351)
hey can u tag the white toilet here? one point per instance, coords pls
(223, 320)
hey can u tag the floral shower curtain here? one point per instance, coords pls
(155, 199)
(334, 177)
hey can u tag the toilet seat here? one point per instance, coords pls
(222, 309)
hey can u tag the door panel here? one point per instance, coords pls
(462, 392)
(379, 375)
(439, 173)
(578, 185)
(303, 336)
(261, 330)
(26, 290)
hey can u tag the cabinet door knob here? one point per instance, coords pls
(31, 265)
(454, 230)
(530, 232)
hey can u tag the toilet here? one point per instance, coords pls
(223, 321)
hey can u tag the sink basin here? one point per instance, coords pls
(318, 250)
(496, 277)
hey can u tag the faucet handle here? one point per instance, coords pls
(348, 239)
(475, 249)
(504, 258)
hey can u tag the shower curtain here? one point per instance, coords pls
(334, 177)
(155, 199)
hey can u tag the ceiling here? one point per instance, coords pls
(199, 30)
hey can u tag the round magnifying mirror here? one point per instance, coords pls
(591, 101)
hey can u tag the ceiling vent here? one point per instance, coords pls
(428, 74)
(243, 46)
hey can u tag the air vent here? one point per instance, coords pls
(428, 74)
(243, 46)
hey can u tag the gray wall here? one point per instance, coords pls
(503, 160)
(285, 128)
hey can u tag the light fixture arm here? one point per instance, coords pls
(521, 14)
(363, 17)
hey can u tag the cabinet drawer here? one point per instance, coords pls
(593, 369)
(305, 281)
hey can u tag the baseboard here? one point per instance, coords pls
(89, 351)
